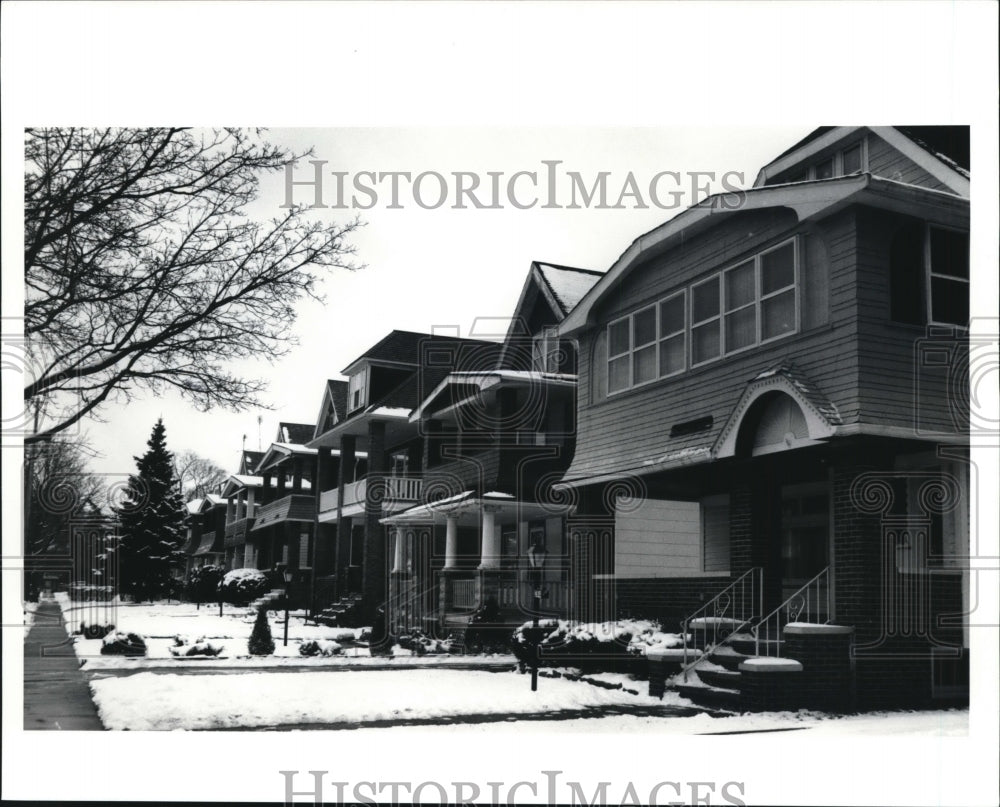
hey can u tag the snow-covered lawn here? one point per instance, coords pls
(159, 623)
(150, 701)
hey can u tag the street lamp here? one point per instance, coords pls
(536, 559)
(287, 574)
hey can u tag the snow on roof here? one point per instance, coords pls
(194, 505)
(214, 498)
(568, 285)
(390, 411)
(247, 481)
(297, 448)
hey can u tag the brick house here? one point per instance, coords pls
(772, 413)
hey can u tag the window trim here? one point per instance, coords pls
(838, 161)
(929, 274)
(719, 318)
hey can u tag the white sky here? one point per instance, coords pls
(440, 267)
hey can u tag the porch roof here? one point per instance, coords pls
(279, 452)
(237, 482)
(487, 380)
(207, 546)
(467, 507)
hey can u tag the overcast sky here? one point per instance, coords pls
(442, 266)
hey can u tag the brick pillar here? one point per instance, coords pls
(825, 654)
(374, 580)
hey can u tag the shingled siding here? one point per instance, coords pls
(908, 379)
(885, 161)
(630, 430)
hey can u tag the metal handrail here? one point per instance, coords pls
(805, 601)
(744, 611)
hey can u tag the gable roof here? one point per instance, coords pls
(406, 347)
(335, 398)
(249, 461)
(942, 151)
(566, 284)
(296, 433)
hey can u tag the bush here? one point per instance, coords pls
(320, 647)
(201, 648)
(123, 644)
(203, 584)
(243, 586)
(486, 632)
(261, 643)
(617, 645)
(95, 631)
(420, 643)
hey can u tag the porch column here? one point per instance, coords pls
(491, 542)
(451, 543)
(296, 474)
(342, 546)
(397, 555)
(375, 588)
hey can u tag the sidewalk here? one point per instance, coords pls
(56, 695)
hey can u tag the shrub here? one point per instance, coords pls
(123, 644)
(261, 643)
(200, 648)
(600, 645)
(203, 584)
(486, 632)
(243, 586)
(95, 631)
(319, 647)
(420, 643)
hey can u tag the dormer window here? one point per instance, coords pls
(852, 159)
(357, 390)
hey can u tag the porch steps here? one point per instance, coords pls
(728, 657)
(713, 697)
(723, 679)
(267, 600)
(332, 615)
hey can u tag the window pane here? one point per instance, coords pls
(618, 340)
(644, 368)
(777, 268)
(777, 315)
(852, 159)
(645, 326)
(740, 286)
(824, 170)
(950, 301)
(741, 328)
(949, 253)
(618, 374)
(705, 342)
(705, 300)
(672, 315)
(672, 355)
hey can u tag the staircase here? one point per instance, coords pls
(713, 679)
(340, 612)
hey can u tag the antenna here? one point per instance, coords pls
(260, 419)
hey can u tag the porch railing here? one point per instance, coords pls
(463, 593)
(731, 610)
(397, 489)
(811, 603)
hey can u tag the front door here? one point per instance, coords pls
(804, 533)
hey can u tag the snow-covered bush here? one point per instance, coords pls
(201, 647)
(487, 632)
(95, 631)
(243, 586)
(120, 643)
(261, 643)
(319, 647)
(203, 584)
(421, 644)
(592, 644)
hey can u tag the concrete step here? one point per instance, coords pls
(723, 679)
(712, 697)
(727, 657)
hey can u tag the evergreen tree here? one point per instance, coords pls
(152, 523)
(261, 643)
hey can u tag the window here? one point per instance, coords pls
(305, 557)
(850, 160)
(929, 275)
(743, 306)
(547, 353)
(948, 272)
(357, 389)
(823, 170)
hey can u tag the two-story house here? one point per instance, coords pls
(495, 439)
(242, 494)
(369, 456)
(772, 410)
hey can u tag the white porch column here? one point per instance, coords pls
(451, 543)
(491, 540)
(397, 557)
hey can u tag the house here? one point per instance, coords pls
(369, 456)
(772, 415)
(496, 438)
(206, 530)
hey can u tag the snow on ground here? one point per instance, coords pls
(159, 623)
(150, 701)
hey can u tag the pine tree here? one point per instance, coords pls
(261, 643)
(151, 523)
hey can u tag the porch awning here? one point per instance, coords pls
(470, 505)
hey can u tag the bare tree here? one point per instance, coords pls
(143, 270)
(197, 475)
